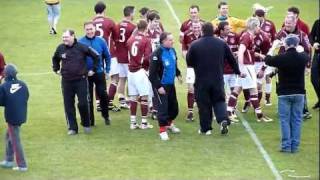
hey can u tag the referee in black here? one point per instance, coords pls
(207, 56)
(72, 57)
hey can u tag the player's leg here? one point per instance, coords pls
(56, 15)
(133, 100)
(81, 89)
(232, 102)
(68, 92)
(50, 17)
(190, 79)
(173, 109)
(123, 73)
(91, 82)
(268, 87)
(114, 76)
(100, 84)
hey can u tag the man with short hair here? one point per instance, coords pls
(207, 56)
(162, 72)
(294, 11)
(124, 30)
(98, 79)
(106, 29)
(189, 36)
(290, 89)
(246, 65)
(69, 60)
(139, 47)
(291, 27)
(194, 16)
(236, 24)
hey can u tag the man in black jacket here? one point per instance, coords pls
(207, 56)
(315, 68)
(74, 72)
(290, 90)
(14, 95)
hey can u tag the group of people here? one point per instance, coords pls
(223, 57)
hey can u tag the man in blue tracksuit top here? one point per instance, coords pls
(14, 97)
(99, 77)
(162, 72)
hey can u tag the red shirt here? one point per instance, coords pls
(247, 40)
(188, 38)
(106, 28)
(262, 44)
(2, 64)
(154, 37)
(304, 40)
(268, 27)
(124, 30)
(139, 47)
(232, 41)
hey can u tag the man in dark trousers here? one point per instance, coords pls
(72, 56)
(98, 79)
(207, 56)
(162, 72)
(14, 97)
(290, 89)
(315, 68)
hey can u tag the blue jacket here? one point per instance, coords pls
(163, 67)
(102, 49)
(14, 95)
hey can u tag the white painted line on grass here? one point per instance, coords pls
(258, 143)
(173, 12)
(244, 122)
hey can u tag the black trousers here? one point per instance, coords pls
(167, 105)
(99, 81)
(69, 90)
(315, 74)
(210, 97)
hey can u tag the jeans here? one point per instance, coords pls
(53, 14)
(290, 109)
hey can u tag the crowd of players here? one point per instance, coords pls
(130, 47)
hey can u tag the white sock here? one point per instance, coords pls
(268, 88)
(133, 119)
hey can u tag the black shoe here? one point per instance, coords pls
(316, 106)
(154, 115)
(224, 127)
(54, 31)
(107, 121)
(190, 117)
(307, 115)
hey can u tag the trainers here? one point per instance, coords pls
(124, 106)
(54, 31)
(134, 126)
(246, 107)
(146, 126)
(164, 136)
(268, 103)
(87, 130)
(154, 115)
(115, 109)
(224, 127)
(208, 133)
(190, 117)
(233, 119)
(6, 164)
(174, 129)
(264, 119)
(21, 169)
(72, 132)
(307, 115)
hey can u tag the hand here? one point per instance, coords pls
(90, 73)
(316, 46)
(161, 91)
(276, 44)
(180, 79)
(260, 74)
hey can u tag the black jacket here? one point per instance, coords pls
(73, 65)
(291, 69)
(207, 56)
(14, 95)
(157, 67)
(315, 33)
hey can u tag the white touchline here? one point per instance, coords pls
(258, 143)
(244, 122)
